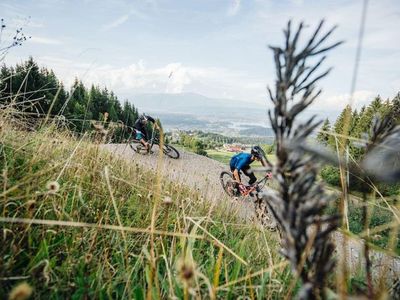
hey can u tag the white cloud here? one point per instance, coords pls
(124, 18)
(234, 8)
(170, 78)
(117, 22)
(44, 40)
(336, 103)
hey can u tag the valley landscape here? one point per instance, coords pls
(87, 211)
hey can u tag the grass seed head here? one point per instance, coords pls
(20, 292)
(52, 187)
(186, 269)
(88, 258)
(30, 205)
(167, 200)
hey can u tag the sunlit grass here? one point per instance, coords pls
(91, 234)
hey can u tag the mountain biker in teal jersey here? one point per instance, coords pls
(140, 129)
(242, 161)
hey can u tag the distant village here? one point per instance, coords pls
(235, 147)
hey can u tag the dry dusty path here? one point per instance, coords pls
(201, 173)
(195, 171)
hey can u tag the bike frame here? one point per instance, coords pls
(150, 141)
(168, 150)
(254, 186)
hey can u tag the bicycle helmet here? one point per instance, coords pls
(257, 152)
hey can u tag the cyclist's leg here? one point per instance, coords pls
(249, 173)
(142, 138)
(145, 142)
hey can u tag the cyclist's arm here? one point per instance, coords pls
(236, 176)
(265, 162)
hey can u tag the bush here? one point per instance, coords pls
(201, 152)
(389, 189)
(331, 175)
(269, 149)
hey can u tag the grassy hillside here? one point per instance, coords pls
(104, 228)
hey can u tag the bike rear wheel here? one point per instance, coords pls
(170, 151)
(228, 184)
(134, 145)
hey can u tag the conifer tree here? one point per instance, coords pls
(323, 136)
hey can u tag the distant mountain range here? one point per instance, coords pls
(191, 111)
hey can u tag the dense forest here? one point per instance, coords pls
(38, 93)
(359, 127)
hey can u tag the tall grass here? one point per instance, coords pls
(76, 223)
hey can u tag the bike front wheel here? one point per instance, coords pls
(170, 151)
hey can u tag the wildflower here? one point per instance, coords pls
(167, 200)
(20, 292)
(52, 187)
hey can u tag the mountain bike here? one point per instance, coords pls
(137, 146)
(242, 191)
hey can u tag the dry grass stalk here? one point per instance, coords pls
(299, 202)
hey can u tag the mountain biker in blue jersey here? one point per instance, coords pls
(242, 161)
(140, 129)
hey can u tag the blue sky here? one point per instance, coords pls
(215, 48)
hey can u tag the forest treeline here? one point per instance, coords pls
(359, 128)
(37, 92)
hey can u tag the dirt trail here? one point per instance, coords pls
(202, 174)
(195, 171)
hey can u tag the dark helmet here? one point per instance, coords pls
(144, 117)
(258, 152)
